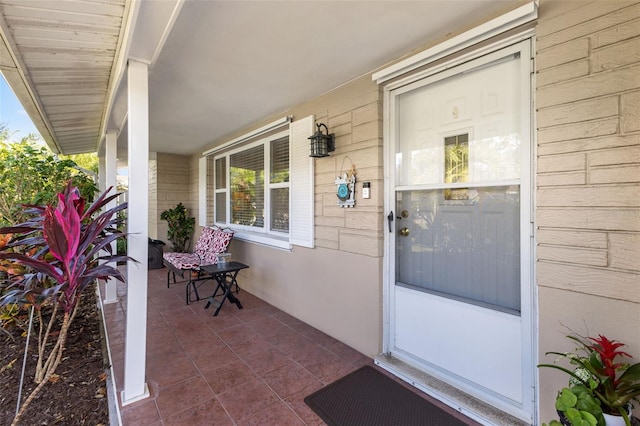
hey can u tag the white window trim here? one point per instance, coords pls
(301, 184)
(262, 235)
(281, 122)
(202, 191)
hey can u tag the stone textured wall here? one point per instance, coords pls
(357, 125)
(587, 175)
(172, 187)
(154, 215)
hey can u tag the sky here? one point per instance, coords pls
(13, 114)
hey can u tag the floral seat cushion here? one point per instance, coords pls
(212, 242)
(182, 260)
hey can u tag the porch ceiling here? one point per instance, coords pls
(215, 66)
(58, 57)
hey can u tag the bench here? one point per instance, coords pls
(213, 242)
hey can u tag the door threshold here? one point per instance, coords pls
(453, 397)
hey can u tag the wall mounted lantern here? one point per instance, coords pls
(322, 143)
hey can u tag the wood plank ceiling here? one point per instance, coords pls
(64, 52)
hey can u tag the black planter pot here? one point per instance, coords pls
(563, 418)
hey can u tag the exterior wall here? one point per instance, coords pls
(154, 215)
(588, 177)
(192, 202)
(336, 287)
(173, 186)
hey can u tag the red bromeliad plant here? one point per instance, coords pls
(65, 249)
(616, 384)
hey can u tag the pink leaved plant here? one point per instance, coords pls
(65, 248)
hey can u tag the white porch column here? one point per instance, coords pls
(109, 180)
(135, 387)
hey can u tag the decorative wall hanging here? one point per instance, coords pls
(346, 184)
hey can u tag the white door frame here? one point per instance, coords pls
(528, 306)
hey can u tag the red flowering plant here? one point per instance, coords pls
(64, 249)
(598, 368)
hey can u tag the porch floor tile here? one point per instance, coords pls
(252, 366)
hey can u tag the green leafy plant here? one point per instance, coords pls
(181, 227)
(34, 175)
(579, 407)
(121, 244)
(65, 248)
(614, 384)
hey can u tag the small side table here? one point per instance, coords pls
(225, 275)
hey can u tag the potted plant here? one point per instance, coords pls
(181, 227)
(599, 372)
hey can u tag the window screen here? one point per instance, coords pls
(246, 173)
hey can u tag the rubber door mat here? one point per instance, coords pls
(367, 397)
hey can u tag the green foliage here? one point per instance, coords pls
(579, 406)
(33, 175)
(12, 315)
(598, 375)
(247, 196)
(65, 248)
(181, 227)
(121, 244)
(87, 161)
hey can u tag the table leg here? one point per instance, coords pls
(226, 289)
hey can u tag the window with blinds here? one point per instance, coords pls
(246, 178)
(264, 188)
(279, 185)
(220, 200)
(252, 186)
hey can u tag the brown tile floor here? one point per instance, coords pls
(244, 367)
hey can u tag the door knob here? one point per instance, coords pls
(404, 232)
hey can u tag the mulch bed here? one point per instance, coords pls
(78, 396)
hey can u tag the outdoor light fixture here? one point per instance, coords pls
(322, 143)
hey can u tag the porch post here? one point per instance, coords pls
(135, 387)
(109, 180)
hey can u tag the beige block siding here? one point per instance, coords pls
(589, 144)
(562, 72)
(625, 250)
(154, 216)
(631, 110)
(587, 176)
(615, 56)
(564, 53)
(581, 239)
(173, 187)
(591, 109)
(565, 21)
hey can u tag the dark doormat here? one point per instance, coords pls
(369, 398)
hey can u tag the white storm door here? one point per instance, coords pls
(460, 286)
